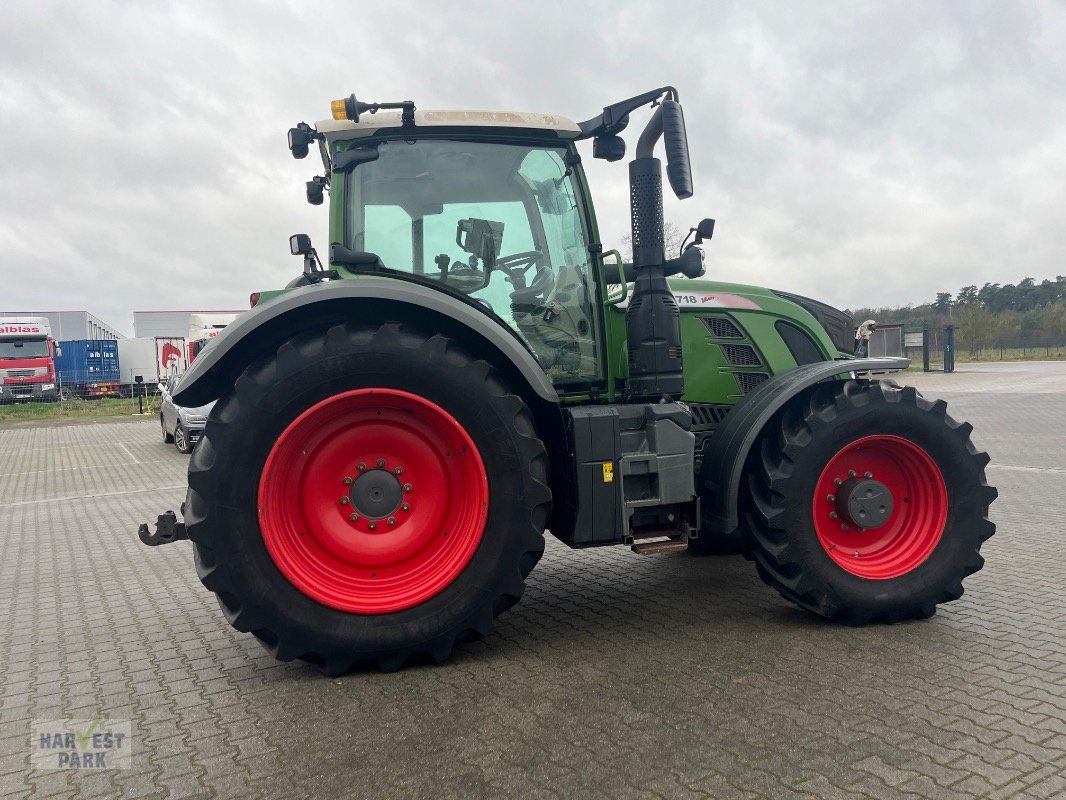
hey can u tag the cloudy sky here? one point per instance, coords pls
(863, 153)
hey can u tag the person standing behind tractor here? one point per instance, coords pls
(862, 338)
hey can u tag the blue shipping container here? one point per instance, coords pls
(88, 361)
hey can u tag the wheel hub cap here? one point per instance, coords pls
(864, 503)
(377, 494)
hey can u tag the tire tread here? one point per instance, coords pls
(209, 509)
(769, 484)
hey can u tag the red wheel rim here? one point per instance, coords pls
(916, 523)
(349, 456)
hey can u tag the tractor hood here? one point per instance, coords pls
(838, 326)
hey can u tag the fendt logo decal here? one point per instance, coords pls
(20, 329)
(170, 356)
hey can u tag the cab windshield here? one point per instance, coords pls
(23, 348)
(502, 223)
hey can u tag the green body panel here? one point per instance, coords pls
(709, 376)
(267, 296)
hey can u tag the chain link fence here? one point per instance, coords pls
(44, 395)
(1048, 348)
(1007, 349)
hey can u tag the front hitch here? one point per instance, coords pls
(167, 530)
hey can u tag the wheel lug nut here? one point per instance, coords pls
(831, 498)
(344, 500)
(373, 525)
(844, 527)
(868, 474)
(353, 517)
(392, 520)
(398, 470)
(837, 481)
(346, 481)
(361, 467)
(406, 506)
(381, 462)
(851, 473)
(832, 515)
(407, 487)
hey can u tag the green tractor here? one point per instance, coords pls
(396, 430)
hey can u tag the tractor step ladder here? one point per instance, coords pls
(670, 545)
(656, 548)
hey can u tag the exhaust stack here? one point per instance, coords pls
(653, 321)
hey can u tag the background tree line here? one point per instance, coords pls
(989, 316)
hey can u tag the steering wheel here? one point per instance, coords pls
(517, 267)
(520, 261)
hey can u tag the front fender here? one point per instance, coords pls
(727, 452)
(362, 299)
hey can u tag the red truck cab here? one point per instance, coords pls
(27, 360)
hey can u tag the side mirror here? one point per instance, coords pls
(704, 230)
(675, 139)
(59, 351)
(300, 244)
(299, 140)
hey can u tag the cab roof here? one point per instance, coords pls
(368, 124)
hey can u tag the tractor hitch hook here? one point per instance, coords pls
(167, 530)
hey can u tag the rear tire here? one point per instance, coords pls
(275, 482)
(938, 519)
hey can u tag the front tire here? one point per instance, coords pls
(849, 455)
(367, 495)
(167, 437)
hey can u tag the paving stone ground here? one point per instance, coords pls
(618, 675)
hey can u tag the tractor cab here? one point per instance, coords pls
(494, 206)
(501, 220)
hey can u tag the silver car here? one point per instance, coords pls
(182, 426)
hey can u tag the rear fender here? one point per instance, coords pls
(727, 452)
